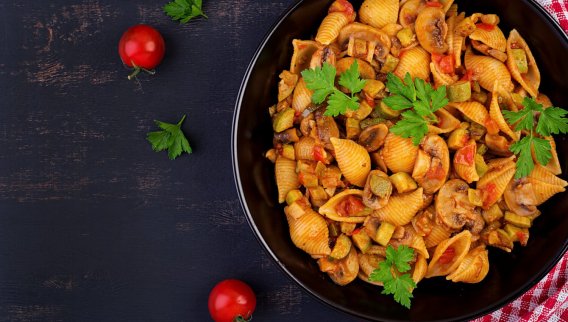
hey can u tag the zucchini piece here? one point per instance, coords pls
(283, 120)
(293, 195)
(373, 87)
(480, 166)
(390, 64)
(520, 58)
(364, 110)
(474, 197)
(519, 221)
(481, 149)
(308, 180)
(405, 36)
(384, 233)
(294, 210)
(386, 112)
(480, 97)
(403, 182)
(288, 152)
(458, 138)
(361, 239)
(347, 227)
(380, 186)
(341, 248)
(459, 91)
(334, 229)
(352, 128)
(517, 234)
(492, 214)
(370, 122)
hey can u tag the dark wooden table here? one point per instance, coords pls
(93, 224)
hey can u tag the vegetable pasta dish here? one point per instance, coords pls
(409, 139)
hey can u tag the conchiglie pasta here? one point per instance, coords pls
(310, 233)
(286, 177)
(353, 160)
(464, 164)
(303, 51)
(473, 110)
(488, 70)
(449, 254)
(330, 208)
(543, 174)
(302, 96)
(331, 26)
(530, 80)
(473, 268)
(401, 208)
(493, 38)
(420, 268)
(495, 111)
(415, 61)
(438, 234)
(399, 153)
(379, 13)
(446, 122)
(493, 183)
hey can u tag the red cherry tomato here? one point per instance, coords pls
(141, 47)
(231, 300)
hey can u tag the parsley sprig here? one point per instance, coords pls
(390, 273)
(551, 120)
(321, 80)
(171, 138)
(419, 100)
(184, 10)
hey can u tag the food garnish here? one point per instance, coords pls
(184, 10)
(551, 120)
(418, 100)
(321, 80)
(171, 138)
(391, 274)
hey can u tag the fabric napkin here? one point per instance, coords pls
(547, 300)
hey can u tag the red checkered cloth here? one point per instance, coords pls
(547, 300)
(558, 9)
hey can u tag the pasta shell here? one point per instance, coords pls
(302, 97)
(493, 38)
(457, 246)
(543, 174)
(494, 182)
(431, 30)
(415, 61)
(366, 70)
(473, 268)
(353, 160)
(455, 41)
(488, 70)
(304, 148)
(344, 271)
(367, 264)
(420, 269)
(554, 164)
(473, 110)
(500, 96)
(303, 51)
(310, 233)
(409, 11)
(438, 234)
(401, 208)
(446, 122)
(367, 33)
(378, 13)
(286, 177)
(329, 208)
(399, 154)
(411, 239)
(543, 191)
(520, 198)
(530, 80)
(436, 151)
(464, 164)
(331, 26)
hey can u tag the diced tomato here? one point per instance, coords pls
(522, 237)
(319, 154)
(436, 58)
(468, 76)
(485, 26)
(434, 4)
(435, 173)
(349, 206)
(489, 195)
(465, 155)
(447, 256)
(370, 101)
(445, 62)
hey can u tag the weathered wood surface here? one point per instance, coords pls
(93, 224)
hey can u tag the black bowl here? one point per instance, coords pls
(435, 299)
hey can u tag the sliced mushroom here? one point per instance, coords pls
(323, 55)
(432, 164)
(378, 38)
(453, 208)
(373, 137)
(378, 189)
(520, 197)
(409, 12)
(326, 128)
(341, 272)
(431, 30)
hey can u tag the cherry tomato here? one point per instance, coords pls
(141, 47)
(231, 300)
(349, 206)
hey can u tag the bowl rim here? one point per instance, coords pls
(238, 184)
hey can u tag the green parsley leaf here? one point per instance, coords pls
(321, 81)
(350, 79)
(171, 138)
(411, 125)
(390, 274)
(552, 121)
(184, 10)
(421, 98)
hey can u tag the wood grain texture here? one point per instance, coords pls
(94, 226)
